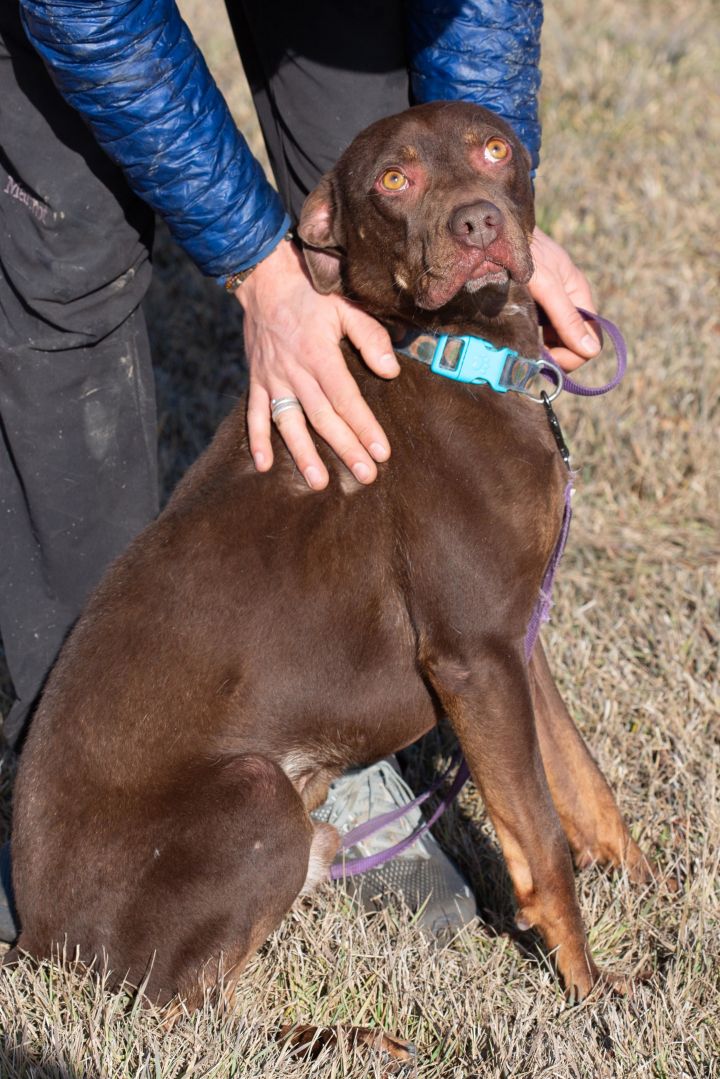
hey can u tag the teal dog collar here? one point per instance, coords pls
(465, 358)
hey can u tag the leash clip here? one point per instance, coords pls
(556, 428)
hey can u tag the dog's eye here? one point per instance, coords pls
(393, 180)
(497, 150)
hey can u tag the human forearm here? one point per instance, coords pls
(134, 72)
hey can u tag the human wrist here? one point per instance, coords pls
(234, 280)
(283, 260)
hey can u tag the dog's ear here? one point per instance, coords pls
(317, 230)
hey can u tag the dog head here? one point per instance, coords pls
(423, 210)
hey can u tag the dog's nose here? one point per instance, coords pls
(476, 224)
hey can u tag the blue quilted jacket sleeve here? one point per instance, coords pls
(132, 69)
(487, 51)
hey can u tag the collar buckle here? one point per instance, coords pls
(470, 359)
(466, 358)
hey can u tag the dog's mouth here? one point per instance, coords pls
(470, 270)
(487, 273)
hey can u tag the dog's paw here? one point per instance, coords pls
(604, 982)
(308, 1040)
(644, 870)
(640, 868)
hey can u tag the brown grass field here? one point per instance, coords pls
(629, 183)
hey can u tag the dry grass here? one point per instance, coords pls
(629, 183)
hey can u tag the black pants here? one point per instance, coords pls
(78, 476)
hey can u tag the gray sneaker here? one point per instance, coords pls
(422, 875)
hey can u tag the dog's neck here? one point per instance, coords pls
(504, 315)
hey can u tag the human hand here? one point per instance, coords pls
(559, 287)
(292, 342)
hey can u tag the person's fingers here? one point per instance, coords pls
(341, 392)
(258, 420)
(567, 360)
(340, 435)
(345, 422)
(559, 287)
(296, 351)
(294, 433)
(370, 339)
(578, 341)
(567, 321)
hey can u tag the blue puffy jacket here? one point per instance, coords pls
(133, 70)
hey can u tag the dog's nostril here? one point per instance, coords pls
(477, 223)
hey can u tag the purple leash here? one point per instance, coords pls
(618, 341)
(372, 861)
(541, 614)
(541, 611)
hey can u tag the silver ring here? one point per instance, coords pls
(279, 405)
(559, 387)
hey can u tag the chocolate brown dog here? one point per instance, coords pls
(259, 638)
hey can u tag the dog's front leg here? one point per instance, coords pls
(489, 704)
(590, 817)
